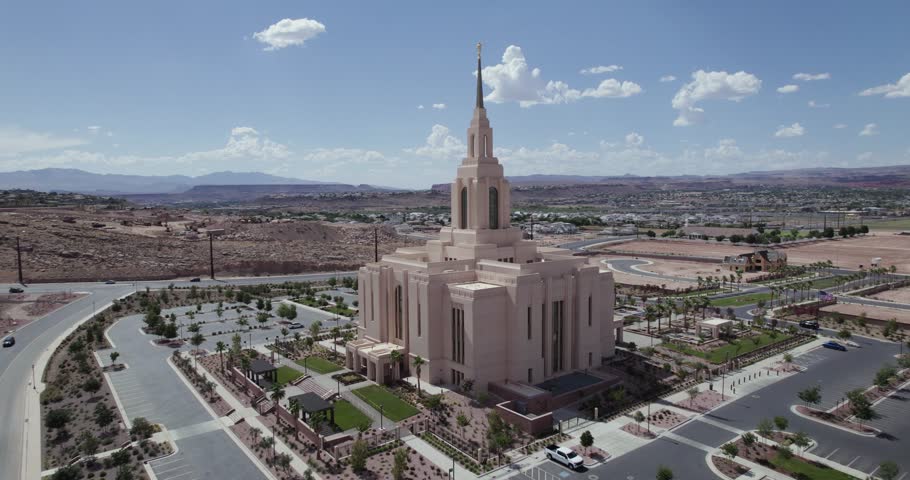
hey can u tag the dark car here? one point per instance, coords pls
(15, 290)
(195, 279)
(834, 346)
(295, 325)
(9, 342)
(109, 282)
(809, 324)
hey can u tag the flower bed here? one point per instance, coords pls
(703, 402)
(637, 430)
(349, 378)
(202, 384)
(728, 467)
(665, 418)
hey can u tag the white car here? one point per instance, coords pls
(564, 456)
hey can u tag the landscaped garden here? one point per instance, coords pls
(347, 416)
(287, 374)
(318, 364)
(382, 399)
(731, 348)
(741, 300)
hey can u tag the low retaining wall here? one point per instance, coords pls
(533, 425)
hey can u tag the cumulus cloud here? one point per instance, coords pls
(814, 104)
(440, 145)
(419, 107)
(667, 78)
(869, 130)
(16, 141)
(788, 89)
(600, 69)
(840, 125)
(93, 129)
(891, 90)
(711, 86)
(514, 80)
(795, 130)
(288, 32)
(634, 139)
(809, 77)
(439, 106)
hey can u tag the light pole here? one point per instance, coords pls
(211, 256)
(381, 414)
(19, 260)
(34, 385)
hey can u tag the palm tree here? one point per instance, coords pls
(315, 328)
(336, 332)
(276, 393)
(395, 357)
(418, 362)
(196, 341)
(294, 407)
(220, 347)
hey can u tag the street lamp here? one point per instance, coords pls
(381, 414)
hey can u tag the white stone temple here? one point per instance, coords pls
(480, 303)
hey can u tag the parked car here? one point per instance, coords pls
(812, 324)
(109, 282)
(9, 341)
(295, 325)
(196, 279)
(564, 456)
(834, 346)
(15, 290)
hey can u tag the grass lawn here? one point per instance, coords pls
(741, 300)
(319, 365)
(824, 283)
(287, 374)
(898, 224)
(795, 466)
(394, 408)
(347, 416)
(719, 354)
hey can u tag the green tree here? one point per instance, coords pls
(400, 465)
(765, 428)
(359, 453)
(638, 417)
(730, 450)
(71, 472)
(142, 428)
(888, 470)
(114, 357)
(664, 473)
(587, 440)
(220, 347)
(88, 444)
(781, 423)
(801, 440)
(104, 416)
(860, 406)
(883, 376)
(418, 363)
(748, 439)
(811, 395)
(92, 385)
(276, 393)
(462, 422)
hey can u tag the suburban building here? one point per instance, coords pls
(766, 260)
(480, 303)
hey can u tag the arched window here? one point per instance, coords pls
(463, 213)
(494, 208)
(486, 151)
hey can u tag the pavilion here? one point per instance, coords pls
(261, 371)
(311, 403)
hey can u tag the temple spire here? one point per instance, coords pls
(479, 103)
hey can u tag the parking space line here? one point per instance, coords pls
(176, 476)
(851, 462)
(167, 461)
(173, 469)
(832, 453)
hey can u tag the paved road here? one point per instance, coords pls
(836, 373)
(33, 339)
(582, 244)
(625, 265)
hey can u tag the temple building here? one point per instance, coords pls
(480, 303)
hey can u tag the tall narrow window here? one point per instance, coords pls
(589, 311)
(398, 313)
(463, 214)
(458, 335)
(471, 146)
(418, 319)
(529, 323)
(494, 208)
(486, 151)
(557, 351)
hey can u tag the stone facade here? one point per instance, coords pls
(480, 303)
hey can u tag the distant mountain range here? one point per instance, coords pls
(75, 180)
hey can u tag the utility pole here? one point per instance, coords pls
(375, 244)
(211, 256)
(19, 260)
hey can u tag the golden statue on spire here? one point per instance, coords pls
(479, 45)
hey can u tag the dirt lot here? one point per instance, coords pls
(848, 253)
(690, 269)
(629, 279)
(872, 312)
(900, 295)
(19, 309)
(86, 245)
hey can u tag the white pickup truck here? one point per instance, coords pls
(564, 456)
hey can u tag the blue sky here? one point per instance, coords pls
(332, 93)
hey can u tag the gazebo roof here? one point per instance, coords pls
(259, 366)
(310, 402)
(715, 322)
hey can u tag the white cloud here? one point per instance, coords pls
(600, 69)
(419, 107)
(667, 78)
(814, 104)
(634, 139)
(795, 130)
(557, 158)
(514, 81)
(891, 90)
(93, 129)
(808, 77)
(288, 32)
(439, 106)
(16, 141)
(788, 89)
(864, 157)
(711, 86)
(110, 133)
(869, 130)
(440, 145)
(840, 125)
